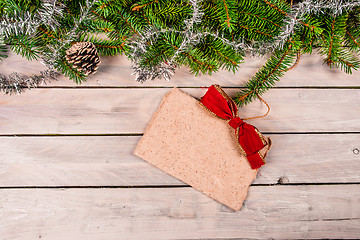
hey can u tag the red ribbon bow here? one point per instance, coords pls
(250, 139)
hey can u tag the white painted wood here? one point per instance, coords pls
(109, 161)
(116, 71)
(277, 212)
(101, 111)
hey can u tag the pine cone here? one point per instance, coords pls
(84, 57)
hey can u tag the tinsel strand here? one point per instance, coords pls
(191, 35)
(15, 83)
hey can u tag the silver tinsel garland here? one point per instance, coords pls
(297, 13)
(17, 82)
(193, 34)
(28, 24)
(50, 57)
(24, 23)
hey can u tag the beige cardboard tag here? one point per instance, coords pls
(186, 141)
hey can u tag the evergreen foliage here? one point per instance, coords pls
(204, 35)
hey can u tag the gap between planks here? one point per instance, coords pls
(160, 87)
(175, 186)
(141, 134)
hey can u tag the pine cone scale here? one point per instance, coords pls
(84, 57)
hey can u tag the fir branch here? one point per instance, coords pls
(152, 58)
(55, 53)
(329, 60)
(25, 46)
(274, 6)
(105, 5)
(308, 7)
(18, 22)
(259, 17)
(267, 76)
(47, 33)
(69, 71)
(226, 57)
(146, 19)
(352, 38)
(127, 20)
(111, 30)
(253, 29)
(227, 14)
(137, 7)
(347, 62)
(206, 66)
(107, 47)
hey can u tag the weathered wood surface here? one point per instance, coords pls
(315, 128)
(269, 212)
(109, 111)
(108, 161)
(116, 71)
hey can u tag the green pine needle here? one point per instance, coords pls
(267, 76)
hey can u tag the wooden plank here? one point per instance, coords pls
(272, 212)
(116, 71)
(103, 111)
(109, 161)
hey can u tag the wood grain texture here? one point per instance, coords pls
(108, 111)
(109, 161)
(277, 212)
(116, 71)
(159, 206)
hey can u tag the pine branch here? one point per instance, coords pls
(352, 37)
(227, 21)
(197, 65)
(250, 33)
(48, 33)
(225, 56)
(106, 47)
(347, 61)
(333, 47)
(25, 46)
(137, 6)
(160, 35)
(53, 56)
(69, 71)
(267, 76)
(265, 19)
(276, 7)
(191, 57)
(128, 20)
(165, 14)
(329, 59)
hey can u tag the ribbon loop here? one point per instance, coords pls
(236, 122)
(249, 138)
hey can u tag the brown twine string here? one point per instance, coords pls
(267, 105)
(295, 64)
